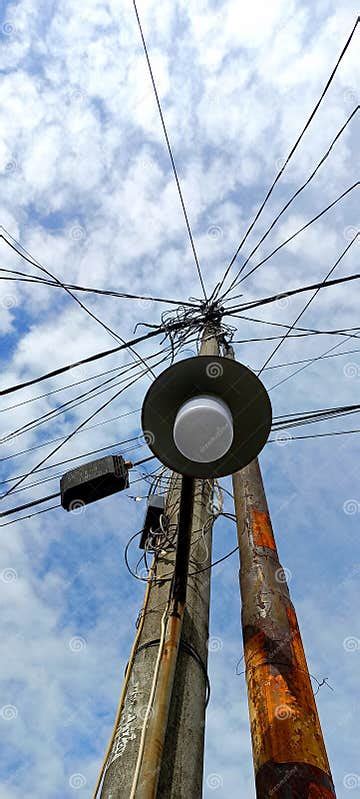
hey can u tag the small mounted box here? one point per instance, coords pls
(93, 481)
(155, 507)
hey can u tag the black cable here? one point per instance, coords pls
(291, 293)
(68, 437)
(144, 460)
(289, 421)
(314, 435)
(65, 407)
(293, 236)
(23, 277)
(61, 438)
(30, 515)
(58, 282)
(62, 388)
(309, 301)
(292, 151)
(42, 268)
(170, 151)
(74, 402)
(29, 504)
(309, 363)
(308, 330)
(296, 193)
(190, 650)
(77, 457)
(79, 382)
(89, 359)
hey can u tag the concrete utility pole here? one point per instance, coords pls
(170, 766)
(288, 748)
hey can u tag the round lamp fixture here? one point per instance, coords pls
(206, 416)
(203, 429)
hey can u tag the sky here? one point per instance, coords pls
(87, 189)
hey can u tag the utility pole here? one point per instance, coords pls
(157, 750)
(288, 748)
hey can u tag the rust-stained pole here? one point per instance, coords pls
(288, 748)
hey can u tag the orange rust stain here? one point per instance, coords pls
(262, 529)
(319, 792)
(284, 722)
(254, 650)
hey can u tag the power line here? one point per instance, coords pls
(307, 330)
(29, 504)
(291, 293)
(80, 399)
(298, 192)
(77, 457)
(310, 360)
(293, 236)
(170, 151)
(101, 292)
(306, 306)
(30, 515)
(61, 438)
(292, 151)
(68, 437)
(28, 257)
(97, 356)
(84, 380)
(313, 435)
(310, 363)
(310, 417)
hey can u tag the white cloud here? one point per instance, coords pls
(88, 189)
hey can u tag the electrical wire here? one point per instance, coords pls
(90, 358)
(77, 457)
(294, 235)
(170, 150)
(313, 435)
(307, 330)
(309, 360)
(309, 363)
(308, 303)
(291, 153)
(69, 405)
(296, 193)
(292, 293)
(29, 504)
(61, 438)
(23, 277)
(30, 515)
(84, 380)
(69, 436)
(28, 257)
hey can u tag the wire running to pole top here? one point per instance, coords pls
(170, 151)
(306, 306)
(292, 151)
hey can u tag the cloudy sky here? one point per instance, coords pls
(87, 189)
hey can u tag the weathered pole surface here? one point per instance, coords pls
(289, 753)
(181, 772)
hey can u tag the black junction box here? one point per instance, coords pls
(155, 507)
(93, 481)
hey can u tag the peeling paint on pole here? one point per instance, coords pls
(289, 754)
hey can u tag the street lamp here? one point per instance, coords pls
(206, 416)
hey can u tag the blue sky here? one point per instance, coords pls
(87, 189)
